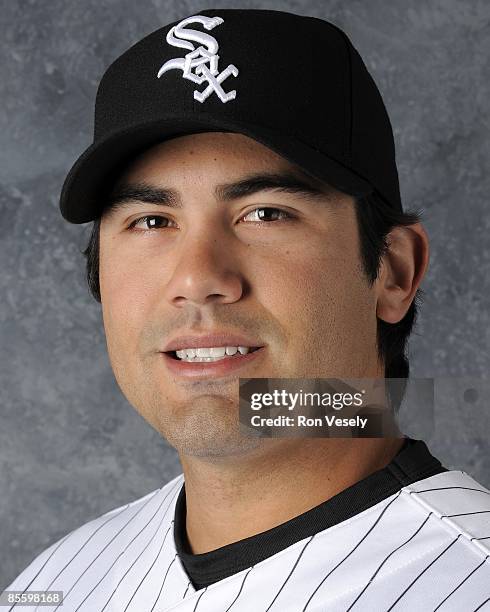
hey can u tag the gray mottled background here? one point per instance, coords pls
(71, 447)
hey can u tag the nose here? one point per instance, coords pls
(204, 271)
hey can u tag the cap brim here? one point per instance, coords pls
(82, 195)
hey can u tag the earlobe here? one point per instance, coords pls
(402, 269)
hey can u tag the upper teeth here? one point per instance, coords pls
(215, 351)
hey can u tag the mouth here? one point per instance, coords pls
(211, 355)
(210, 363)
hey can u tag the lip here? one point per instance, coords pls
(211, 340)
(212, 369)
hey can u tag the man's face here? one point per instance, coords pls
(223, 251)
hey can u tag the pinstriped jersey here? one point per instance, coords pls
(425, 547)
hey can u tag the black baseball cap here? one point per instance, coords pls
(293, 83)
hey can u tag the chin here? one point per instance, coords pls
(221, 448)
(206, 428)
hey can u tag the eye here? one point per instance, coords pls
(267, 216)
(153, 224)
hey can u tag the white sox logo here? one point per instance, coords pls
(198, 58)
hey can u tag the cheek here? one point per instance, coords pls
(324, 304)
(127, 276)
(313, 283)
(126, 292)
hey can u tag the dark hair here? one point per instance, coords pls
(375, 220)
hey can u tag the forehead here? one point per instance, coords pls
(221, 152)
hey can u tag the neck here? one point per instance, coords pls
(229, 500)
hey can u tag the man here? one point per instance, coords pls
(239, 158)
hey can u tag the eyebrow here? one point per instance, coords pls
(283, 182)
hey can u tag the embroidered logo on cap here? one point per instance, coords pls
(200, 65)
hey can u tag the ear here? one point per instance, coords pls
(402, 269)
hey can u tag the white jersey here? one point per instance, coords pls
(424, 548)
